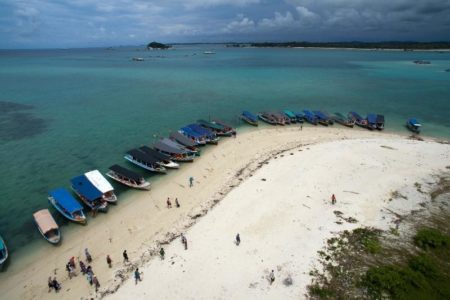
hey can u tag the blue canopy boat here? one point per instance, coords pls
(198, 138)
(211, 137)
(413, 125)
(323, 118)
(66, 204)
(360, 121)
(292, 117)
(380, 122)
(3, 251)
(249, 118)
(268, 118)
(372, 121)
(310, 117)
(300, 117)
(88, 193)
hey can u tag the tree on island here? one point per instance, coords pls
(156, 45)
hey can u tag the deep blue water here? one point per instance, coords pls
(64, 112)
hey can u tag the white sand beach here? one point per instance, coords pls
(271, 185)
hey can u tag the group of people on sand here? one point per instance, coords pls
(169, 203)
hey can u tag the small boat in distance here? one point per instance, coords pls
(292, 117)
(47, 226)
(413, 125)
(127, 177)
(380, 122)
(360, 121)
(209, 52)
(163, 159)
(341, 119)
(3, 251)
(372, 121)
(66, 204)
(249, 118)
(144, 161)
(89, 194)
(100, 182)
(268, 118)
(310, 117)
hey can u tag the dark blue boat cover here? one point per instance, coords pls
(250, 116)
(84, 187)
(65, 199)
(191, 132)
(202, 130)
(372, 118)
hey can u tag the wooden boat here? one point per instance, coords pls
(174, 150)
(66, 205)
(310, 117)
(211, 137)
(341, 119)
(360, 121)
(225, 125)
(289, 114)
(300, 117)
(100, 182)
(268, 118)
(47, 226)
(128, 177)
(413, 125)
(162, 159)
(216, 128)
(3, 251)
(144, 161)
(190, 144)
(372, 121)
(280, 118)
(323, 118)
(249, 118)
(199, 139)
(380, 122)
(89, 194)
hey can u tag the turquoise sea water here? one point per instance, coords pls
(64, 112)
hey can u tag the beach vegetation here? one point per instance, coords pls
(427, 238)
(156, 45)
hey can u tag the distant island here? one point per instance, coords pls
(156, 45)
(406, 46)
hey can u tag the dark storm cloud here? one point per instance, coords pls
(75, 23)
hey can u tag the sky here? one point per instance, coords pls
(98, 23)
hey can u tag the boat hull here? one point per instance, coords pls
(82, 220)
(248, 121)
(4, 252)
(268, 121)
(55, 240)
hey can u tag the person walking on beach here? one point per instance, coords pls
(50, 284)
(96, 283)
(56, 285)
(109, 261)
(177, 204)
(125, 256)
(162, 253)
(301, 127)
(238, 239)
(137, 276)
(83, 267)
(191, 181)
(70, 270)
(272, 277)
(169, 204)
(333, 199)
(184, 241)
(72, 262)
(88, 255)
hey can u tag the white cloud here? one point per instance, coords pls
(190, 4)
(278, 21)
(243, 24)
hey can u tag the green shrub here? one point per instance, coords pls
(431, 238)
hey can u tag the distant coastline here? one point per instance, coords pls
(401, 46)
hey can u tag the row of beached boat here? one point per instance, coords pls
(96, 193)
(371, 121)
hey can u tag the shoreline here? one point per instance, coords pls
(136, 237)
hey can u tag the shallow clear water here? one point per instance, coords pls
(64, 112)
